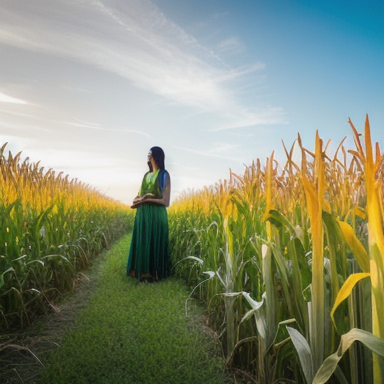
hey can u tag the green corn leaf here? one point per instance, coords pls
(211, 275)
(279, 220)
(2, 276)
(258, 311)
(200, 261)
(304, 352)
(329, 365)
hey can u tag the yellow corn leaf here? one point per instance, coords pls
(376, 240)
(268, 186)
(346, 290)
(327, 206)
(310, 192)
(229, 246)
(373, 203)
(355, 245)
(314, 199)
(359, 212)
(357, 154)
(327, 145)
(378, 156)
(340, 146)
(357, 140)
(376, 248)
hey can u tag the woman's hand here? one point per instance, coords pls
(164, 200)
(148, 196)
(138, 200)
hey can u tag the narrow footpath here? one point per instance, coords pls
(131, 332)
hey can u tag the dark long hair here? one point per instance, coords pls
(158, 156)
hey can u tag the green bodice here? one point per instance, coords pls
(150, 184)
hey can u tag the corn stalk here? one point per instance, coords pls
(293, 271)
(374, 270)
(50, 228)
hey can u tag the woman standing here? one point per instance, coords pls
(148, 255)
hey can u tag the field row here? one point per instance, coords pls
(289, 260)
(51, 227)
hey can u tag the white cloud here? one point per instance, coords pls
(96, 126)
(231, 46)
(17, 113)
(9, 99)
(135, 40)
(245, 118)
(99, 127)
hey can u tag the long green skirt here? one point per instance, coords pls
(148, 254)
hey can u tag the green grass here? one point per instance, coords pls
(135, 333)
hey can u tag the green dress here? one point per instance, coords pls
(148, 254)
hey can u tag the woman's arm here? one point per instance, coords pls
(138, 199)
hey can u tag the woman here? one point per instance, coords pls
(148, 255)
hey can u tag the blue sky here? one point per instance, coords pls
(87, 87)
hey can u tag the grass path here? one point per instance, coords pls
(134, 333)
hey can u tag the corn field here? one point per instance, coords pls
(289, 261)
(50, 229)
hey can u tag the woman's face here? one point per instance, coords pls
(150, 160)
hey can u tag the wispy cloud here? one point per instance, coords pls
(9, 99)
(17, 113)
(98, 127)
(135, 40)
(230, 46)
(245, 118)
(21, 129)
(85, 124)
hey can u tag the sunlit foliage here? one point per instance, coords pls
(51, 227)
(272, 252)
